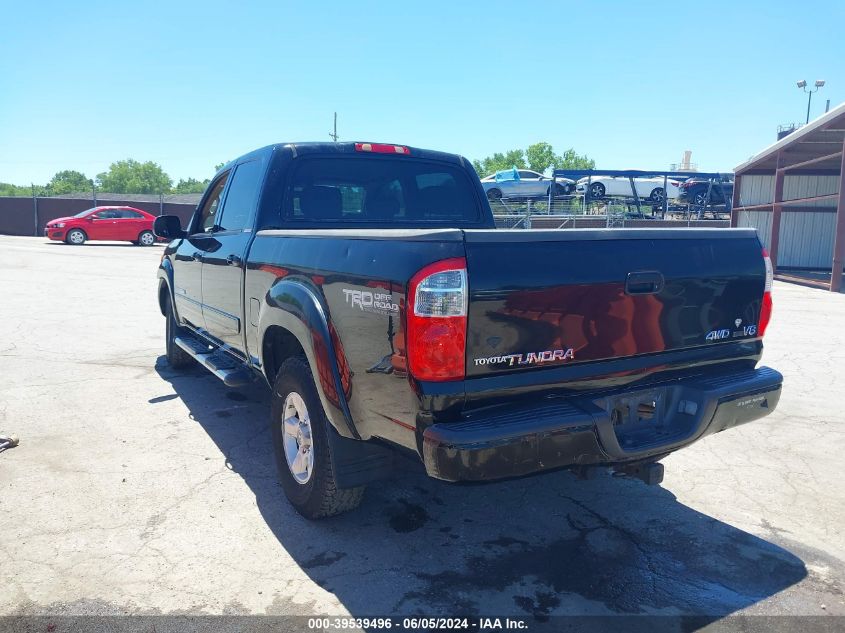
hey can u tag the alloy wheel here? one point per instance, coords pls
(296, 434)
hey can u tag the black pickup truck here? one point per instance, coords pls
(367, 285)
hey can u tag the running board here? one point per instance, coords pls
(226, 368)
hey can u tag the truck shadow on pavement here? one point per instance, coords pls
(533, 547)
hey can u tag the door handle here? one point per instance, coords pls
(647, 282)
(233, 260)
(196, 256)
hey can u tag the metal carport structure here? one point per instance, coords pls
(632, 174)
(793, 192)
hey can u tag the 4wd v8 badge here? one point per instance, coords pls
(718, 335)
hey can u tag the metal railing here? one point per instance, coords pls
(573, 210)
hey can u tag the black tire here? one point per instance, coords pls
(700, 199)
(597, 191)
(177, 358)
(76, 237)
(559, 190)
(146, 238)
(657, 195)
(494, 194)
(319, 496)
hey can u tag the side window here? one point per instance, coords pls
(129, 215)
(528, 174)
(208, 212)
(239, 207)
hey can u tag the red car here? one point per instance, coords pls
(121, 224)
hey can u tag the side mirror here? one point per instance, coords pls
(168, 227)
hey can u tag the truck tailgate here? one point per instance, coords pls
(549, 298)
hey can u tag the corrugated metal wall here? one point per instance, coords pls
(756, 189)
(806, 237)
(760, 220)
(760, 189)
(795, 187)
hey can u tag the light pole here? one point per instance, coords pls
(803, 85)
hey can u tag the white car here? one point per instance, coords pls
(647, 188)
(528, 184)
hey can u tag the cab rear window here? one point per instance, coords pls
(379, 190)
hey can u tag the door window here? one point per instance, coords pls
(208, 212)
(239, 207)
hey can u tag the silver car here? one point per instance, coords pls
(524, 183)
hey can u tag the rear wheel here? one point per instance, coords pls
(177, 358)
(494, 194)
(76, 237)
(146, 238)
(300, 440)
(559, 190)
(657, 195)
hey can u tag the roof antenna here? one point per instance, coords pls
(333, 135)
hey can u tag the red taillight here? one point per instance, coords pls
(436, 321)
(766, 305)
(381, 148)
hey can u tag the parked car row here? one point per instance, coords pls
(136, 225)
(121, 224)
(524, 183)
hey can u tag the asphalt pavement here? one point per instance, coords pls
(137, 489)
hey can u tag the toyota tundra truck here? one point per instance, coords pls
(367, 285)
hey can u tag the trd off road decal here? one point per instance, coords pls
(531, 358)
(373, 302)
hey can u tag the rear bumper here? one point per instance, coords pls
(581, 432)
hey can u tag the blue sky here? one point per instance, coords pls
(191, 84)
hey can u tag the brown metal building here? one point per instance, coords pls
(793, 193)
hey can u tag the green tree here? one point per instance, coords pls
(218, 167)
(8, 189)
(500, 162)
(131, 176)
(538, 157)
(68, 181)
(191, 185)
(572, 160)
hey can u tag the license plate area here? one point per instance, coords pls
(646, 418)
